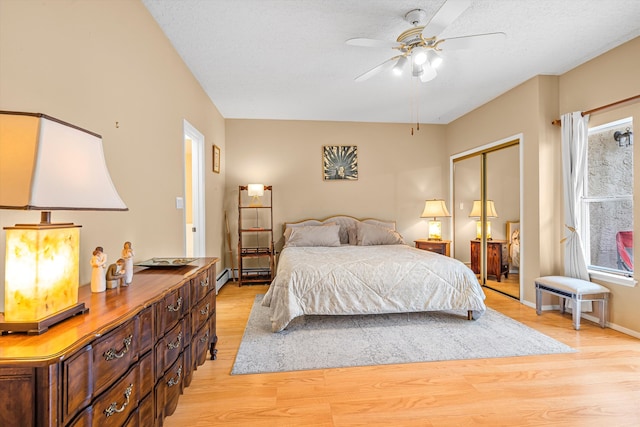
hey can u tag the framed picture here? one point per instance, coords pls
(513, 243)
(216, 159)
(340, 162)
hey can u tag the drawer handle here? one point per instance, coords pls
(176, 379)
(112, 353)
(205, 311)
(113, 408)
(176, 344)
(175, 307)
(205, 338)
(204, 283)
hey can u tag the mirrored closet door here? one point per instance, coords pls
(486, 214)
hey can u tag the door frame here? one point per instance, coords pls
(197, 189)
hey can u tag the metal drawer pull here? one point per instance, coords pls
(204, 283)
(173, 346)
(205, 311)
(175, 307)
(176, 380)
(205, 338)
(113, 408)
(112, 353)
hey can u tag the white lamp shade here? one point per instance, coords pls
(476, 210)
(46, 164)
(255, 190)
(434, 209)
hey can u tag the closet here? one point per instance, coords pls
(486, 213)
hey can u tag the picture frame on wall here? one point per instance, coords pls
(216, 159)
(340, 162)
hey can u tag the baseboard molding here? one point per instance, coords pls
(224, 277)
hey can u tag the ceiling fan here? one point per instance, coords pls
(420, 44)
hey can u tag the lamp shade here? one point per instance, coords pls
(254, 190)
(476, 210)
(47, 164)
(434, 209)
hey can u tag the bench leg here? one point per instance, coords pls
(538, 301)
(577, 306)
(603, 312)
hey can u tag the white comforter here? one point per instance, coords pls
(368, 279)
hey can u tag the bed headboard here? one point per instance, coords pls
(345, 222)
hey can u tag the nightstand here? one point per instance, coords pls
(441, 247)
(497, 258)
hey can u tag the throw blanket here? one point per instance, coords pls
(367, 280)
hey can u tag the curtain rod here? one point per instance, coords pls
(558, 122)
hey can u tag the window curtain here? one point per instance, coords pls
(574, 163)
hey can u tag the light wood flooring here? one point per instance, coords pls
(597, 386)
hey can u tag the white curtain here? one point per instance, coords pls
(574, 163)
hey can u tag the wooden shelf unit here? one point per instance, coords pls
(256, 254)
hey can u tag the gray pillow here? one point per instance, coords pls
(369, 235)
(326, 235)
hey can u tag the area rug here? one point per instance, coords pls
(317, 342)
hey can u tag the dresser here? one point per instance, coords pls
(124, 363)
(441, 247)
(497, 258)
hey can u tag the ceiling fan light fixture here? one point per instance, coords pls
(399, 67)
(417, 70)
(419, 55)
(435, 59)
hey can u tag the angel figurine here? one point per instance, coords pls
(127, 256)
(98, 262)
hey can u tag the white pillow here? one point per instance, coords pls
(369, 235)
(326, 235)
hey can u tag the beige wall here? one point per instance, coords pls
(397, 171)
(95, 63)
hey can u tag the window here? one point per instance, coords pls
(607, 206)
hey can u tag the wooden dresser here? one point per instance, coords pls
(497, 258)
(125, 363)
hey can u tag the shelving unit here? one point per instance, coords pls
(256, 256)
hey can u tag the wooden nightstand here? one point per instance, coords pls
(441, 247)
(497, 258)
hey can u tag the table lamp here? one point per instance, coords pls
(255, 191)
(434, 209)
(476, 212)
(47, 164)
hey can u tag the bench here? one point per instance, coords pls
(577, 290)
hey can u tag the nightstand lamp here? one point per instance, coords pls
(435, 209)
(255, 191)
(476, 212)
(45, 165)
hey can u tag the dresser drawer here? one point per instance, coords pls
(113, 407)
(169, 388)
(203, 311)
(200, 345)
(200, 286)
(77, 374)
(171, 309)
(145, 330)
(114, 353)
(169, 347)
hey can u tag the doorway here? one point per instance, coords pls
(194, 227)
(486, 195)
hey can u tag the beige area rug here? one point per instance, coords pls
(317, 342)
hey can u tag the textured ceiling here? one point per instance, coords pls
(286, 59)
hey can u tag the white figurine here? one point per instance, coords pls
(127, 256)
(98, 262)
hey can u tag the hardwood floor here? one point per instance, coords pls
(599, 385)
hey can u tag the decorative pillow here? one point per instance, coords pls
(290, 227)
(369, 235)
(326, 235)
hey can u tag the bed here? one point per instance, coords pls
(345, 266)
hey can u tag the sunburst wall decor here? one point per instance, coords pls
(340, 162)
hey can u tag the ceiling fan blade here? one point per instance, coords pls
(448, 13)
(428, 73)
(361, 41)
(472, 41)
(388, 64)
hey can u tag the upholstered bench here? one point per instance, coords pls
(577, 290)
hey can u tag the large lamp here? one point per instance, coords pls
(434, 209)
(47, 164)
(255, 191)
(476, 212)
